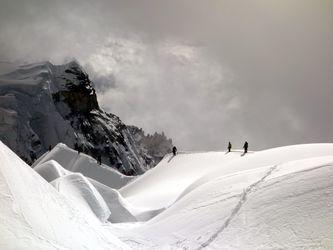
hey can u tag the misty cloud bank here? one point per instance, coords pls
(202, 72)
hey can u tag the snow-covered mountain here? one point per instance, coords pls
(280, 198)
(44, 104)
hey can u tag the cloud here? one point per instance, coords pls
(205, 72)
(165, 86)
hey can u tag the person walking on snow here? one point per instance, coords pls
(174, 151)
(229, 147)
(246, 146)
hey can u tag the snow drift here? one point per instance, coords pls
(287, 206)
(82, 194)
(84, 164)
(34, 215)
(87, 192)
(50, 170)
(279, 198)
(118, 206)
(173, 177)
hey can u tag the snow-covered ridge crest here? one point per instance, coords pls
(62, 160)
(89, 186)
(44, 73)
(34, 215)
(43, 104)
(280, 198)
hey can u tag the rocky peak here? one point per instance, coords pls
(44, 104)
(76, 89)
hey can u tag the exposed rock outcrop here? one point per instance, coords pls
(44, 104)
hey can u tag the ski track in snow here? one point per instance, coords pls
(250, 189)
(215, 202)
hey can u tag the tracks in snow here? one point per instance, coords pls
(236, 209)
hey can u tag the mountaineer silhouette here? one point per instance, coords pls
(174, 150)
(229, 147)
(246, 146)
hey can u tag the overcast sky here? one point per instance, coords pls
(204, 72)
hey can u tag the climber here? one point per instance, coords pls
(174, 151)
(229, 147)
(99, 159)
(246, 145)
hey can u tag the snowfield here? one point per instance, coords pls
(280, 198)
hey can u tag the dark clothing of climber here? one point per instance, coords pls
(246, 146)
(229, 147)
(174, 151)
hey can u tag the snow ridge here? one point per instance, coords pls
(276, 199)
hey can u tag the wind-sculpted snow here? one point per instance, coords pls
(255, 201)
(118, 206)
(50, 170)
(159, 187)
(85, 192)
(279, 198)
(174, 177)
(84, 164)
(82, 194)
(283, 206)
(33, 215)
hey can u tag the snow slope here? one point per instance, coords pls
(84, 164)
(280, 198)
(275, 207)
(50, 170)
(274, 199)
(159, 187)
(86, 193)
(82, 194)
(173, 177)
(118, 206)
(33, 215)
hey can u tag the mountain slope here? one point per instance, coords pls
(44, 104)
(34, 215)
(84, 186)
(173, 177)
(280, 198)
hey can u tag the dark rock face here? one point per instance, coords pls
(80, 95)
(44, 104)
